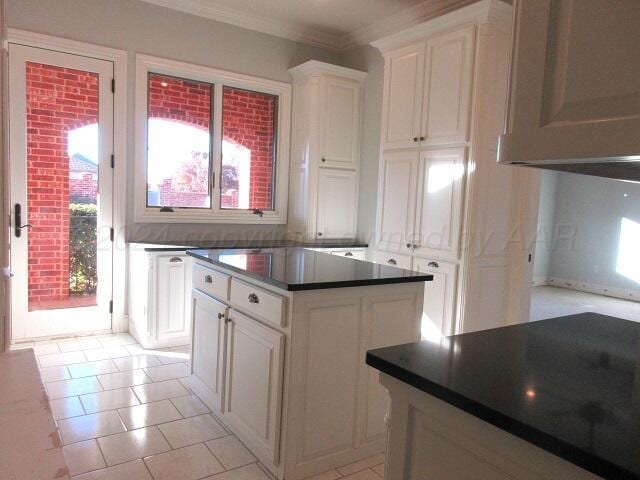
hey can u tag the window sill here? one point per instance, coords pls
(186, 216)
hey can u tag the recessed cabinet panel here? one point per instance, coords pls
(254, 381)
(439, 297)
(337, 203)
(398, 202)
(447, 85)
(440, 194)
(341, 123)
(404, 76)
(172, 313)
(209, 344)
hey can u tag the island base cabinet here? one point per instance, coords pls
(255, 359)
(430, 439)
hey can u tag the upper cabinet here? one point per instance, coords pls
(428, 90)
(323, 191)
(574, 92)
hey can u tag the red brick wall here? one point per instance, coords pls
(248, 119)
(58, 100)
(181, 100)
(84, 187)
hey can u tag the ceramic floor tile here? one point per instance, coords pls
(83, 457)
(379, 469)
(45, 348)
(135, 470)
(151, 392)
(330, 475)
(167, 372)
(66, 408)
(250, 472)
(123, 379)
(107, 352)
(75, 386)
(192, 430)
(362, 464)
(87, 369)
(119, 339)
(123, 447)
(190, 406)
(90, 426)
(367, 474)
(108, 400)
(78, 344)
(188, 463)
(135, 362)
(54, 374)
(230, 452)
(66, 358)
(149, 414)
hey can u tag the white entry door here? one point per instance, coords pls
(60, 146)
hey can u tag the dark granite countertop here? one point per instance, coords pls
(570, 385)
(297, 268)
(178, 246)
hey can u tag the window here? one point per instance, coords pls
(212, 146)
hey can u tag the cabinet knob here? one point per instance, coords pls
(208, 279)
(175, 260)
(415, 139)
(324, 159)
(392, 261)
(348, 254)
(408, 245)
(319, 234)
(422, 139)
(433, 265)
(415, 245)
(253, 298)
(220, 316)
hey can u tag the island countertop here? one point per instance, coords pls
(297, 268)
(569, 385)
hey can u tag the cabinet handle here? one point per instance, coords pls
(433, 265)
(422, 139)
(220, 316)
(348, 254)
(175, 260)
(415, 139)
(253, 298)
(392, 261)
(208, 279)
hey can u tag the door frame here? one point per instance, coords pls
(119, 60)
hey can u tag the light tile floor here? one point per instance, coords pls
(124, 414)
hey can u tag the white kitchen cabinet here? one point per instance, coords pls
(209, 346)
(354, 253)
(325, 156)
(439, 297)
(402, 104)
(392, 259)
(398, 187)
(574, 90)
(159, 296)
(439, 203)
(254, 381)
(337, 203)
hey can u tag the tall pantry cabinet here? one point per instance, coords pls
(444, 204)
(327, 104)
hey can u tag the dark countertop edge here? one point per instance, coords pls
(540, 439)
(167, 247)
(298, 287)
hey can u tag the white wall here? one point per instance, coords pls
(546, 223)
(137, 26)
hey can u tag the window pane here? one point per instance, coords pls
(178, 142)
(248, 149)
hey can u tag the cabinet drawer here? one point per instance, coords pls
(393, 259)
(265, 305)
(358, 254)
(211, 282)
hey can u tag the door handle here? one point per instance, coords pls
(17, 220)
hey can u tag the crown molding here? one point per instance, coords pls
(287, 30)
(315, 67)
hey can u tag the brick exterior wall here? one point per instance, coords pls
(58, 100)
(248, 119)
(83, 187)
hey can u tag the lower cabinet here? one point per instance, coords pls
(254, 371)
(439, 297)
(337, 203)
(209, 346)
(392, 259)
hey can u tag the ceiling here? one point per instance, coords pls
(334, 24)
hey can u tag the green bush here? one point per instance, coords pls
(83, 274)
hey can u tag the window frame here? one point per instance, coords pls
(146, 64)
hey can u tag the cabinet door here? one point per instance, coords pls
(173, 287)
(340, 123)
(440, 195)
(398, 201)
(337, 203)
(402, 109)
(439, 297)
(574, 83)
(447, 87)
(209, 344)
(254, 382)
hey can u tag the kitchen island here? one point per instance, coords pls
(553, 399)
(279, 339)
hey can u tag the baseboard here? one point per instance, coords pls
(622, 293)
